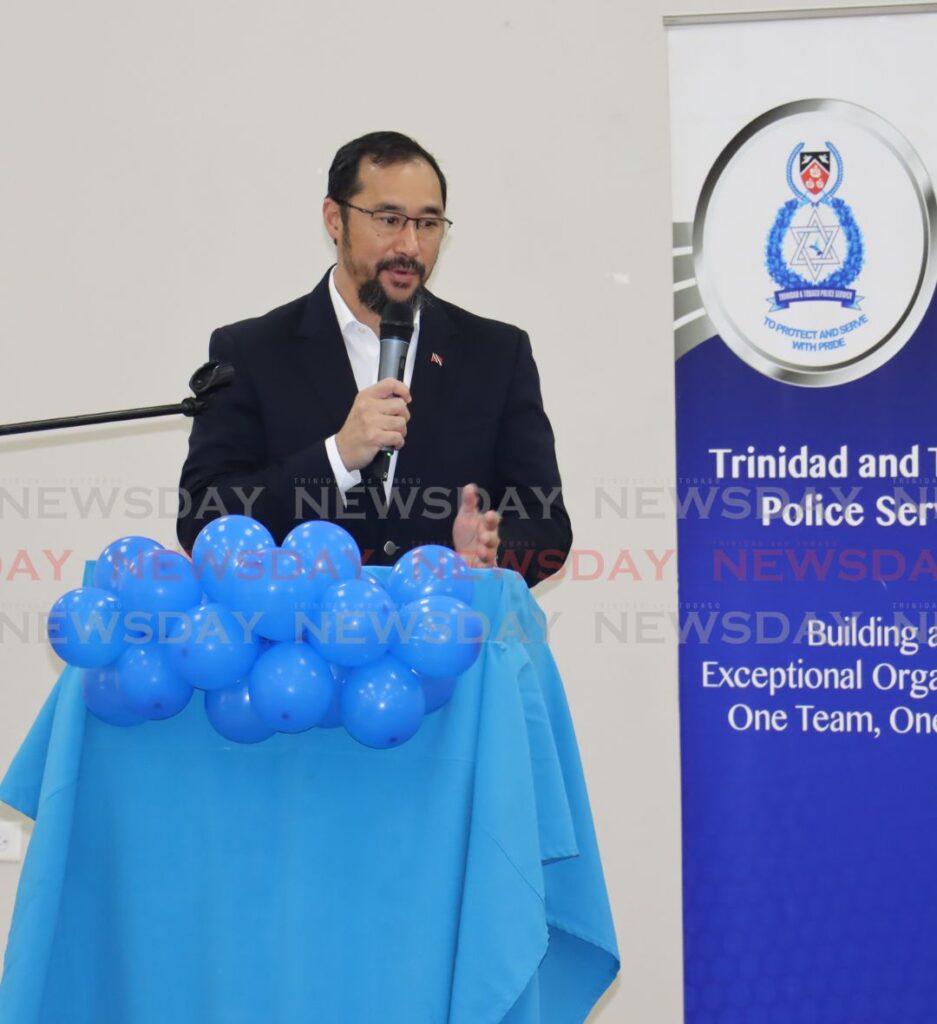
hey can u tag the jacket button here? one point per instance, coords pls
(390, 548)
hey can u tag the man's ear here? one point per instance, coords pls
(332, 218)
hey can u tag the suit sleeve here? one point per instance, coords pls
(227, 470)
(536, 535)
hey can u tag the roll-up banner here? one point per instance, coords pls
(804, 154)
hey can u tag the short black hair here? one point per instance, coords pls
(383, 148)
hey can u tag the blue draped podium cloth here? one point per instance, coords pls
(174, 876)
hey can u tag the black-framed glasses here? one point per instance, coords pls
(388, 223)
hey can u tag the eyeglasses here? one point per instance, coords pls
(388, 223)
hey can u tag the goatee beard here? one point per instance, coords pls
(372, 296)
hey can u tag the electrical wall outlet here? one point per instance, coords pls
(11, 840)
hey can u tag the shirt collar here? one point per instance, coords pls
(347, 321)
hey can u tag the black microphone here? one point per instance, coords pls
(396, 332)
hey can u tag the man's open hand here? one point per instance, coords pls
(475, 533)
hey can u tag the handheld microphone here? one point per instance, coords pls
(396, 332)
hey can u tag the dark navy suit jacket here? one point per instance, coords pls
(259, 448)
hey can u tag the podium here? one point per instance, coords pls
(176, 876)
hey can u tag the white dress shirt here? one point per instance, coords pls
(364, 353)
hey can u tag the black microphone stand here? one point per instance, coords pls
(206, 380)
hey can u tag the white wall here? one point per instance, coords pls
(163, 171)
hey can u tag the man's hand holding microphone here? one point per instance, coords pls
(376, 426)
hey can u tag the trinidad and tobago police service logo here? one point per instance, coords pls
(834, 280)
(814, 248)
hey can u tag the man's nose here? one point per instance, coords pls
(407, 242)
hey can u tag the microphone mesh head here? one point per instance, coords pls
(397, 321)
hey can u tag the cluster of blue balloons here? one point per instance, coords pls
(280, 639)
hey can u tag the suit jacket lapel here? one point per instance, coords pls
(322, 355)
(323, 361)
(433, 379)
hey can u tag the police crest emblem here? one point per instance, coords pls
(779, 283)
(814, 248)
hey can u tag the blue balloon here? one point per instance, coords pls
(163, 582)
(120, 556)
(353, 625)
(149, 685)
(210, 648)
(437, 691)
(332, 718)
(382, 703)
(231, 714)
(291, 687)
(271, 584)
(86, 627)
(329, 554)
(103, 698)
(439, 637)
(218, 548)
(431, 571)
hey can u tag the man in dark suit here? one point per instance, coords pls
(296, 434)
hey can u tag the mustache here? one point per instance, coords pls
(402, 263)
